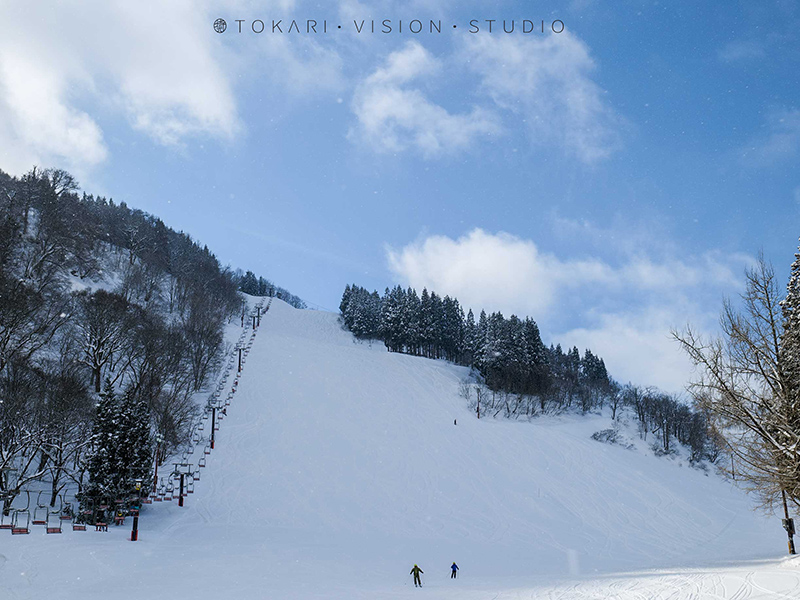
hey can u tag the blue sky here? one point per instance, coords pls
(611, 181)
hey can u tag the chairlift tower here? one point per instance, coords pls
(178, 473)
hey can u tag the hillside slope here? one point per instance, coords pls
(339, 466)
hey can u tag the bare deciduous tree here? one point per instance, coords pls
(744, 388)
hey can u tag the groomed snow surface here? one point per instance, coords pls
(339, 467)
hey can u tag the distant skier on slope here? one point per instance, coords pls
(453, 571)
(415, 572)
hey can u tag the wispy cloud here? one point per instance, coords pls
(781, 141)
(741, 50)
(547, 82)
(395, 115)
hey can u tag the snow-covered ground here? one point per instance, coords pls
(339, 466)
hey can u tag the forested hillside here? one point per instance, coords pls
(96, 296)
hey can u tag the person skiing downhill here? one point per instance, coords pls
(453, 571)
(415, 572)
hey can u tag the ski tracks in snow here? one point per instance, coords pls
(729, 584)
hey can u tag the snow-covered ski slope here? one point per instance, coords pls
(339, 466)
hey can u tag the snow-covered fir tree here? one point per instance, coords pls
(122, 449)
(786, 426)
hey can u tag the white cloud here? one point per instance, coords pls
(298, 67)
(498, 271)
(154, 62)
(637, 346)
(741, 50)
(624, 310)
(547, 81)
(68, 69)
(393, 116)
(35, 123)
(781, 142)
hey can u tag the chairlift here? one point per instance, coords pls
(40, 511)
(207, 449)
(202, 461)
(53, 523)
(17, 527)
(65, 512)
(78, 526)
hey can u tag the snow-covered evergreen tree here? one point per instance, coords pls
(786, 428)
(122, 449)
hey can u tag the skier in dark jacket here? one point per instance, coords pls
(453, 571)
(415, 572)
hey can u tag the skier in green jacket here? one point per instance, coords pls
(415, 572)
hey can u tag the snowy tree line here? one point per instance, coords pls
(92, 291)
(248, 283)
(519, 375)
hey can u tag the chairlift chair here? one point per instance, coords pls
(40, 511)
(17, 527)
(65, 512)
(53, 522)
(78, 526)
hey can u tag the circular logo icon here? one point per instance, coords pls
(220, 25)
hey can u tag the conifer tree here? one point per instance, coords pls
(787, 427)
(102, 463)
(122, 452)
